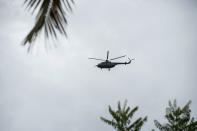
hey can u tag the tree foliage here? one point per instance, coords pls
(122, 118)
(179, 119)
(51, 17)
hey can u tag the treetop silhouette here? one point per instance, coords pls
(179, 119)
(121, 118)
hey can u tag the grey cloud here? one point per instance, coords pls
(62, 90)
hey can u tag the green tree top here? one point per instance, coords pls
(121, 118)
(179, 119)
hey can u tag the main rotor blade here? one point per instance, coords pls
(118, 57)
(107, 55)
(96, 59)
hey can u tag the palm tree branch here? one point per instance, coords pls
(112, 123)
(131, 113)
(51, 16)
(114, 114)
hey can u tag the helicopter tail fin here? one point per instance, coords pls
(129, 61)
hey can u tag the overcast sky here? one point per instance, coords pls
(61, 89)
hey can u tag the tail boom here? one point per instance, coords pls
(124, 63)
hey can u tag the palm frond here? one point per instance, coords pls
(51, 16)
(131, 113)
(112, 123)
(140, 124)
(134, 124)
(158, 125)
(119, 106)
(125, 104)
(127, 110)
(114, 114)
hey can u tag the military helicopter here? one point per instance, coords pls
(107, 64)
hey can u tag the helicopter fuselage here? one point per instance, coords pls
(108, 64)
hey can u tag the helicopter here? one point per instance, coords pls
(107, 64)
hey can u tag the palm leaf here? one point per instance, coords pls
(112, 123)
(131, 113)
(140, 124)
(51, 16)
(114, 114)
